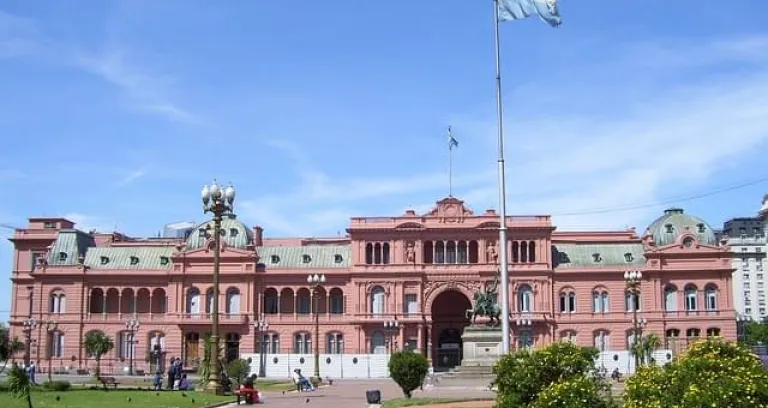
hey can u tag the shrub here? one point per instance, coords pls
(712, 373)
(237, 370)
(576, 392)
(408, 369)
(522, 375)
(57, 385)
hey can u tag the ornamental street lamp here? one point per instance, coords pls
(391, 327)
(132, 326)
(633, 280)
(261, 326)
(317, 282)
(218, 202)
(29, 325)
(50, 327)
(742, 320)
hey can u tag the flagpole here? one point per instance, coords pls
(450, 164)
(503, 266)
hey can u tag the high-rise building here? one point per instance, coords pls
(178, 229)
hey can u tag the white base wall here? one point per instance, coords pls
(625, 361)
(331, 365)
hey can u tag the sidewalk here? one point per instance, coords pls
(351, 394)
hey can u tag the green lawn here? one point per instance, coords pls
(114, 399)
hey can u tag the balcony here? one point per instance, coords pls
(206, 318)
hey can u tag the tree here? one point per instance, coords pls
(521, 376)
(644, 348)
(408, 370)
(756, 333)
(19, 384)
(711, 373)
(576, 392)
(96, 344)
(237, 370)
(8, 347)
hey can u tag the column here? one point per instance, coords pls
(150, 303)
(420, 338)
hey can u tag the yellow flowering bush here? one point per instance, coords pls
(576, 392)
(523, 375)
(712, 373)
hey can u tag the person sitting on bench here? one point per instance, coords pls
(247, 390)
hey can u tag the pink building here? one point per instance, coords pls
(419, 269)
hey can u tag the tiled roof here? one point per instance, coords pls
(584, 255)
(233, 232)
(68, 247)
(154, 257)
(315, 256)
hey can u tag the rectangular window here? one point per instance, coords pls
(411, 303)
(127, 346)
(303, 305)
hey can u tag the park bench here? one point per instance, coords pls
(107, 381)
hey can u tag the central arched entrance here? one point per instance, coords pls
(448, 322)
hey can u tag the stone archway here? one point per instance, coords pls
(448, 322)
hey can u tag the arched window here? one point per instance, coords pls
(691, 333)
(233, 301)
(302, 343)
(377, 300)
(58, 303)
(270, 343)
(524, 251)
(602, 340)
(569, 336)
(270, 301)
(462, 252)
(532, 251)
(385, 253)
(439, 252)
(209, 301)
(600, 302)
(55, 344)
(303, 301)
(713, 332)
(690, 298)
(632, 301)
(670, 298)
(126, 345)
(515, 252)
(378, 343)
(710, 294)
(368, 253)
(428, 252)
(377, 253)
(193, 301)
(336, 301)
(525, 299)
(334, 343)
(473, 252)
(567, 301)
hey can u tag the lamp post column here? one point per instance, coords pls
(317, 281)
(29, 325)
(633, 280)
(391, 327)
(50, 328)
(261, 326)
(218, 202)
(132, 325)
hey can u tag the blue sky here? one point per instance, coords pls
(115, 114)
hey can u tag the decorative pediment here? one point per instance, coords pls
(226, 251)
(450, 209)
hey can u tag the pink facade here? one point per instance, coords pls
(419, 269)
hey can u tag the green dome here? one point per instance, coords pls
(233, 232)
(667, 228)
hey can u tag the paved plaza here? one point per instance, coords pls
(351, 393)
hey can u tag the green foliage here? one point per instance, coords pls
(712, 373)
(237, 370)
(20, 385)
(408, 370)
(756, 333)
(521, 376)
(8, 346)
(97, 343)
(645, 347)
(57, 385)
(575, 392)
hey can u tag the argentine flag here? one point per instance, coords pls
(452, 142)
(520, 9)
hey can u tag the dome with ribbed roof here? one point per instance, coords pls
(674, 223)
(233, 232)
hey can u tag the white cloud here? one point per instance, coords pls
(132, 176)
(646, 140)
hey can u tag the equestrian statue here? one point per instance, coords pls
(486, 303)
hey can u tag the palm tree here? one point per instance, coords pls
(97, 343)
(19, 384)
(650, 343)
(8, 347)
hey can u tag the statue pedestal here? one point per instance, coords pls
(482, 348)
